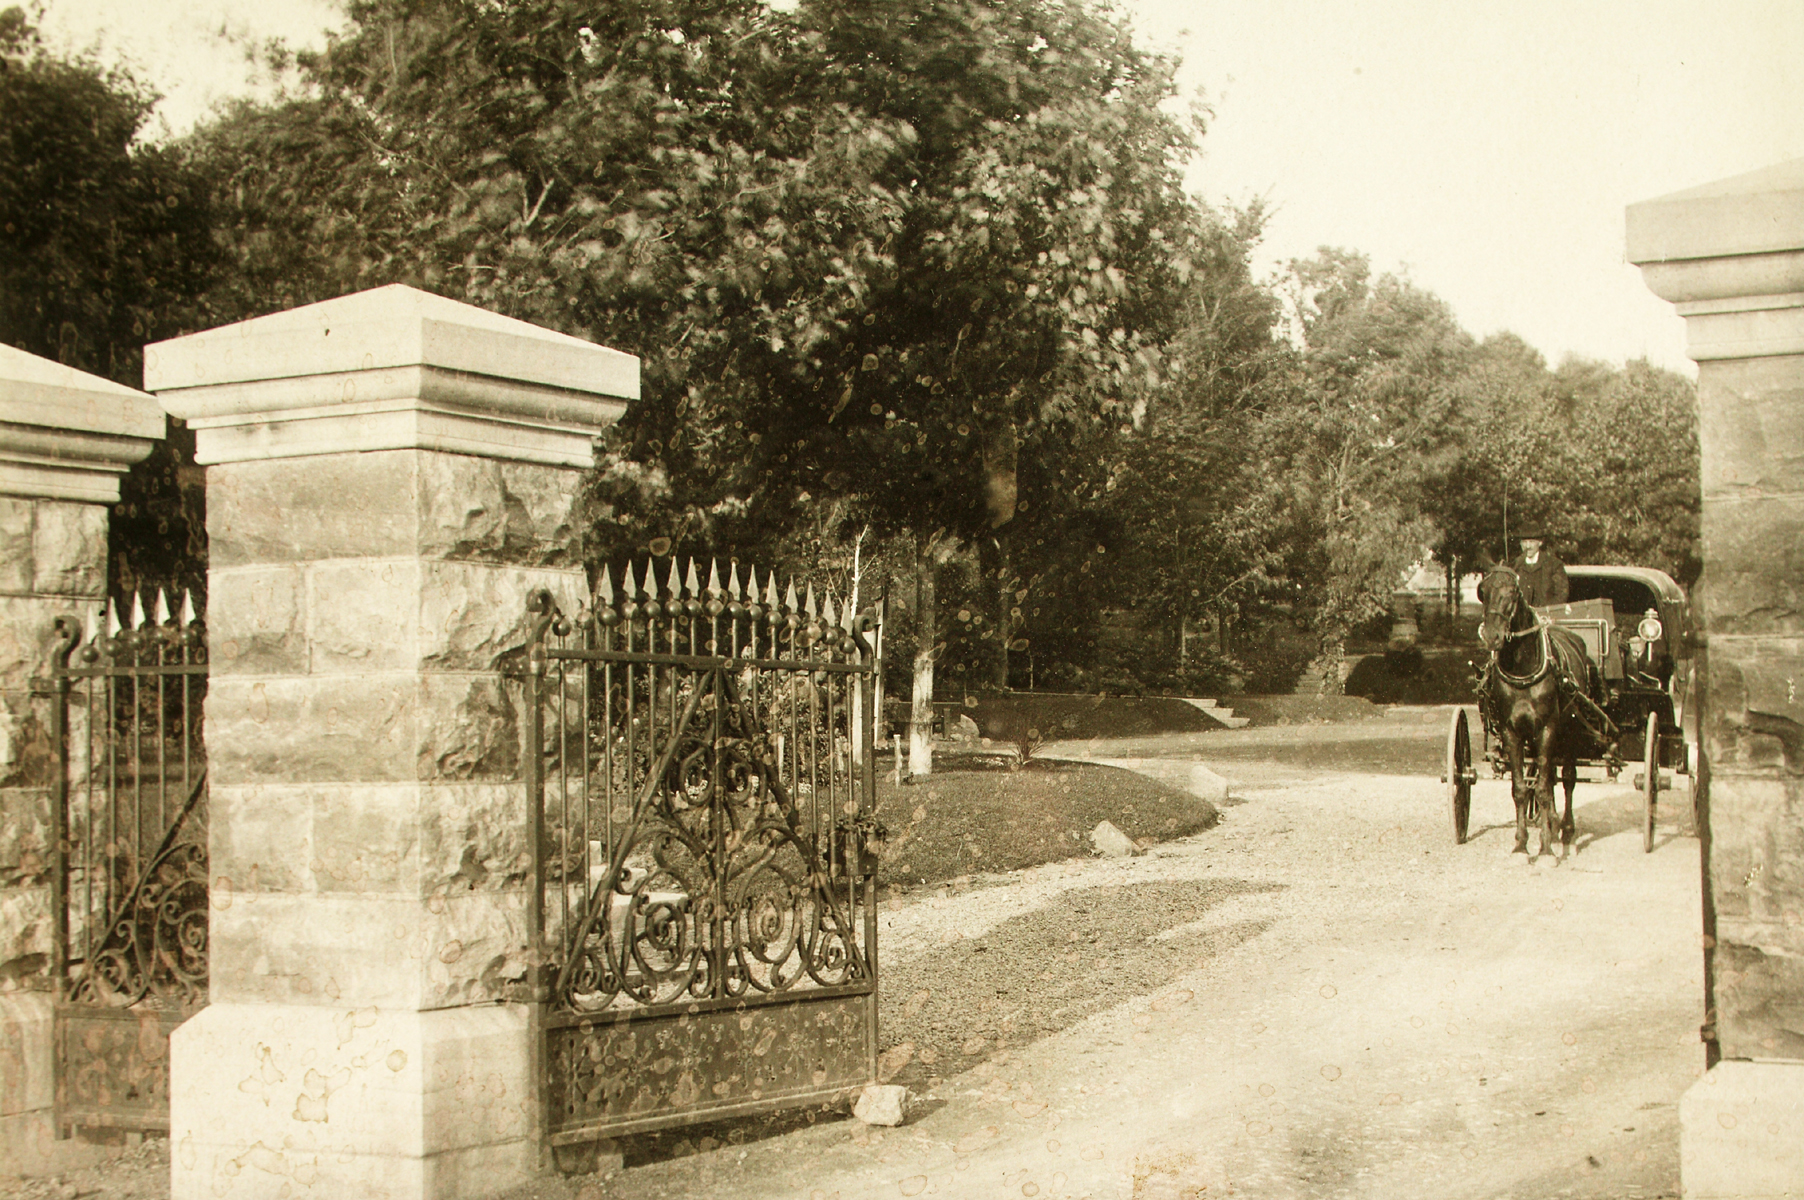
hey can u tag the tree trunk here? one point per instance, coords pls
(920, 716)
(1005, 628)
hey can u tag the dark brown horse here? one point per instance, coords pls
(1528, 699)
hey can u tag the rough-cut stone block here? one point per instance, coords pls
(362, 615)
(463, 509)
(24, 930)
(256, 621)
(1758, 972)
(366, 839)
(1755, 581)
(543, 525)
(481, 509)
(27, 1067)
(16, 568)
(469, 729)
(310, 949)
(260, 837)
(475, 946)
(27, 632)
(68, 547)
(329, 729)
(1751, 427)
(392, 950)
(470, 614)
(307, 509)
(472, 837)
(521, 513)
(24, 836)
(1757, 848)
(1741, 1133)
(27, 759)
(357, 1101)
(1754, 722)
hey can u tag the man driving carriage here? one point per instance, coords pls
(1543, 577)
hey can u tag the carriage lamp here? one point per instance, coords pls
(1650, 628)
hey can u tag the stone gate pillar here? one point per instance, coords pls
(389, 474)
(1730, 255)
(65, 439)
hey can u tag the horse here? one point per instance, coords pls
(1527, 694)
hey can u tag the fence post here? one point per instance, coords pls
(65, 439)
(1730, 255)
(389, 476)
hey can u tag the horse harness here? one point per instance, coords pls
(1573, 698)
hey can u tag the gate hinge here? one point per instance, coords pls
(41, 686)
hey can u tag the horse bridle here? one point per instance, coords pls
(1538, 629)
(1508, 634)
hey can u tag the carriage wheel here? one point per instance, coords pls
(1459, 774)
(1650, 787)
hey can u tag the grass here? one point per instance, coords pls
(975, 814)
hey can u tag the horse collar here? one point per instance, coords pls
(1539, 673)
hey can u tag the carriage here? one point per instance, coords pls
(1636, 626)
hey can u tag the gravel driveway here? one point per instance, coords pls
(1322, 996)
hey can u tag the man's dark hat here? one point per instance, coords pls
(1532, 533)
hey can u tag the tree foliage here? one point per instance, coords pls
(924, 272)
(1370, 432)
(104, 242)
(863, 249)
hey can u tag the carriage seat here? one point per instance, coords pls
(1594, 621)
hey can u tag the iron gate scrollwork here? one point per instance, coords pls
(702, 806)
(129, 859)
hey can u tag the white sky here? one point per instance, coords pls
(1488, 150)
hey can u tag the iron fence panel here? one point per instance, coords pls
(701, 804)
(129, 865)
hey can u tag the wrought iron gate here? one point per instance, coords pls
(129, 860)
(702, 810)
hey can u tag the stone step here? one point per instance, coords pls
(1214, 709)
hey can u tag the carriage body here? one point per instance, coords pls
(1637, 628)
(1636, 625)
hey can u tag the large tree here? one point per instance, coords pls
(1198, 521)
(885, 253)
(1372, 428)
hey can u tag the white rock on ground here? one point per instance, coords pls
(881, 1104)
(1111, 842)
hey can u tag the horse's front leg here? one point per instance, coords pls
(1513, 750)
(1544, 789)
(1568, 780)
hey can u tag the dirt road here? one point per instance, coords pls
(1352, 1006)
